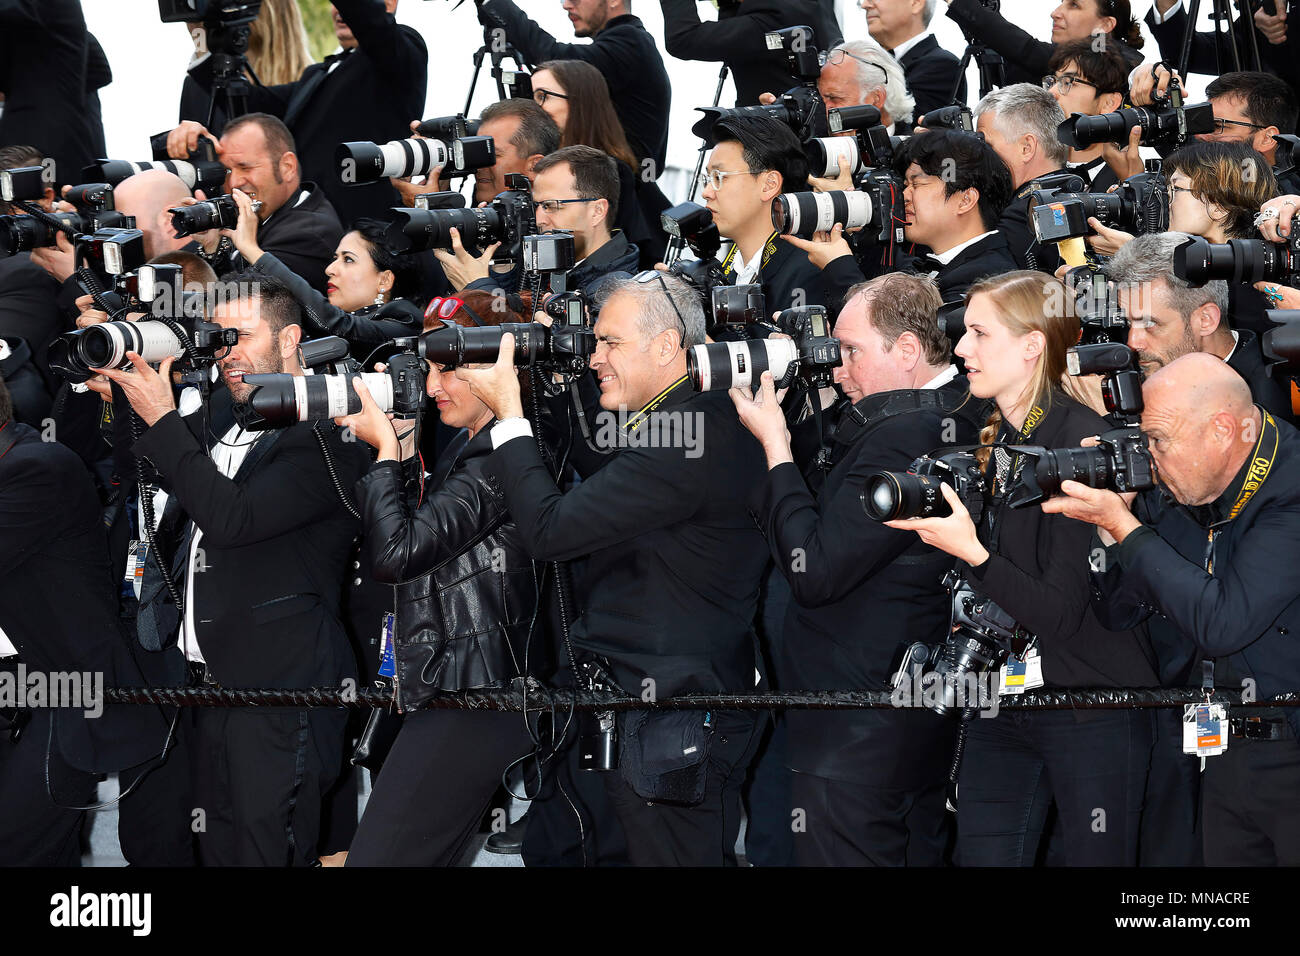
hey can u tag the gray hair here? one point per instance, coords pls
(1149, 259)
(656, 302)
(898, 101)
(928, 13)
(1024, 108)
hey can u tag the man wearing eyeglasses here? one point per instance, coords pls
(857, 73)
(1091, 82)
(902, 27)
(669, 586)
(756, 159)
(575, 190)
(1253, 108)
(736, 38)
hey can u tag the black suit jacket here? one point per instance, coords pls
(302, 237)
(1211, 55)
(1246, 611)
(1039, 574)
(669, 588)
(845, 570)
(989, 257)
(626, 55)
(371, 95)
(787, 277)
(736, 37)
(58, 597)
(52, 70)
(29, 311)
(930, 71)
(275, 544)
(1268, 391)
(1025, 248)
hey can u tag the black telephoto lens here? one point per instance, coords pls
(1088, 466)
(891, 495)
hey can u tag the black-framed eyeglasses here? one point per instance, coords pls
(836, 57)
(1066, 81)
(542, 95)
(650, 275)
(552, 206)
(1222, 124)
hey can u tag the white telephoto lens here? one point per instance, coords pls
(413, 157)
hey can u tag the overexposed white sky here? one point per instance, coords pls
(149, 58)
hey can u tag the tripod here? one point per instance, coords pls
(496, 46)
(1222, 13)
(230, 85)
(991, 66)
(677, 244)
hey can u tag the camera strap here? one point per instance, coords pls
(7, 438)
(1003, 481)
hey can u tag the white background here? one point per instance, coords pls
(149, 59)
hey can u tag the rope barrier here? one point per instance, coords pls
(537, 699)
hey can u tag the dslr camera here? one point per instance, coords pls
(1166, 124)
(93, 203)
(811, 353)
(876, 207)
(982, 637)
(1139, 205)
(1097, 306)
(279, 400)
(1121, 460)
(916, 493)
(200, 171)
(219, 213)
(693, 224)
(799, 108)
(172, 327)
(361, 163)
(867, 144)
(506, 219)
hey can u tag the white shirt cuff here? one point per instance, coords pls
(510, 428)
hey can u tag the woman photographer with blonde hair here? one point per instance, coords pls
(1035, 567)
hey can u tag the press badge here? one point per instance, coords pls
(1205, 729)
(387, 660)
(136, 553)
(1018, 674)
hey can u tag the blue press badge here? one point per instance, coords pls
(387, 660)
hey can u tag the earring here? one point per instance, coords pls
(379, 297)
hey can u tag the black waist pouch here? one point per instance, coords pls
(376, 739)
(663, 754)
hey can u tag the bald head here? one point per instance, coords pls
(1199, 384)
(1201, 426)
(147, 196)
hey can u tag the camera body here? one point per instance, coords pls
(857, 136)
(1097, 306)
(737, 312)
(221, 212)
(1139, 205)
(948, 117)
(94, 213)
(799, 108)
(982, 637)
(916, 493)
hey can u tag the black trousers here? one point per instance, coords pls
(704, 835)
(1171, 818)
(155, 820)
(35, 829)
(436, 783)
(1249, 803)
(849, 824)
(258, 777)
(1093, 765)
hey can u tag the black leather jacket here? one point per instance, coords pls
(465, 590)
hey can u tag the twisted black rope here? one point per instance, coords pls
(535, 699)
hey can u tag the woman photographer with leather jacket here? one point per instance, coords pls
(465, 598)
(1035, 567)
(370, 293)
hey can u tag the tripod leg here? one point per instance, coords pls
(1252, 44)
(1189, 33)
(1225, 7)
(473, 80)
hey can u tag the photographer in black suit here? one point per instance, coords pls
(297, 224)
(673, 560)
(870, 781)
(260, 568)
(368, 92)
(736, 38)
(902, 27)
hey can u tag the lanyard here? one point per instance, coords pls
(1032, 421)
(769, 251)
(641, 417)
